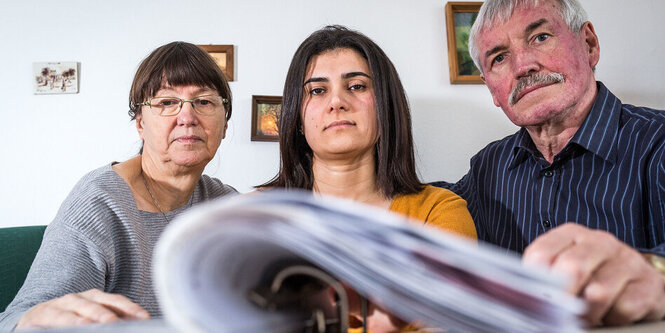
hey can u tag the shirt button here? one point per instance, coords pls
(547, 223)
(549, 173)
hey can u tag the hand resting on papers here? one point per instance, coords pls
(617, 283)
(92, 306)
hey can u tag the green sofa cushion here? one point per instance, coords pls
(18, 247)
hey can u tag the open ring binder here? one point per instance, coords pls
(293, 289)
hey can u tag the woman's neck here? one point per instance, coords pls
(352, 179)
(170, 187)
(156, 187)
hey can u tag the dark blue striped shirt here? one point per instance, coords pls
(610, 176)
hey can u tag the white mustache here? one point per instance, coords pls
(531, 80)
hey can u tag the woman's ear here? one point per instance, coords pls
(139, 125)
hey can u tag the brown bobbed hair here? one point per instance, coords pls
(394, 154)
(177, 64)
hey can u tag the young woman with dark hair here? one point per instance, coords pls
(345, 130)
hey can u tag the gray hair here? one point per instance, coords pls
(499, 11)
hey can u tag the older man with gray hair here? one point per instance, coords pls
(580, 188)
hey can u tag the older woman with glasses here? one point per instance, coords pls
(94, 265)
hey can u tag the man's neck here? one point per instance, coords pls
(552, 136)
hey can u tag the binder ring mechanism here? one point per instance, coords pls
(304, 289)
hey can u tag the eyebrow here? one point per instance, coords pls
(354, 74)
(495, 50)
(534, 25)
(344, 76)
(528, 30)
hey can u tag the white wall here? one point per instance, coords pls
(50, 141)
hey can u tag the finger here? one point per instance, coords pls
(381, 321)
(544, 249)
(48, 314)
(63, 318)
(120, 304)
(580, 261)
(658, 312)
(84, 307)
(641, 299)
(609, 281)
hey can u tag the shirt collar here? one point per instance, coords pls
(522, 149)
(598, 133)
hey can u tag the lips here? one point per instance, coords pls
(188, 139)
(339, 123)
(530, 89)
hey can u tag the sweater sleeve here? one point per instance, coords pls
(438, 208)
(450, 213)
(68, 261)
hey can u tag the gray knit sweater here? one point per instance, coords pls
(99, 239)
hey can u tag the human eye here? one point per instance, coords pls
(164, 102)
(204, 101)
(498, 59)
(541, 37)
(316, 91)
(357, 86)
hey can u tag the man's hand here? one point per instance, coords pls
(617, 283)
(92, 306)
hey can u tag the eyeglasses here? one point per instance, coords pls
(206, 105)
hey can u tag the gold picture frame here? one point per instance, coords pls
(459, 18)
(223, 55)
(265, 117)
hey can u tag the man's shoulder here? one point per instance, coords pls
(644, 114)
(647, 127)
(501, 146)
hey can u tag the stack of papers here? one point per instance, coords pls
(215, 256)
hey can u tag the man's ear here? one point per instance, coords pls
(226, 126)
(590, 39)
(139, 125)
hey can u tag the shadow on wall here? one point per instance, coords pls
(640, 98)
(448, 132)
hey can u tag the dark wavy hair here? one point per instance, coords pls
(394, 155)
(178, 64)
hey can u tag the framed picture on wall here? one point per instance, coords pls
(56, 77)
(265, 115)
(223, 55)
(459, 19)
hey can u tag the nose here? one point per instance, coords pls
(525, 62)
(187, 115)
(338, 100)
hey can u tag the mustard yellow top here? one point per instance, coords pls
(437, 207)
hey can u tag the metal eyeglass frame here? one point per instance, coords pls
(182, 102)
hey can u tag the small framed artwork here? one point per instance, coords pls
(223, 55)
(56, 77)
(459, 19)
(265, 117)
